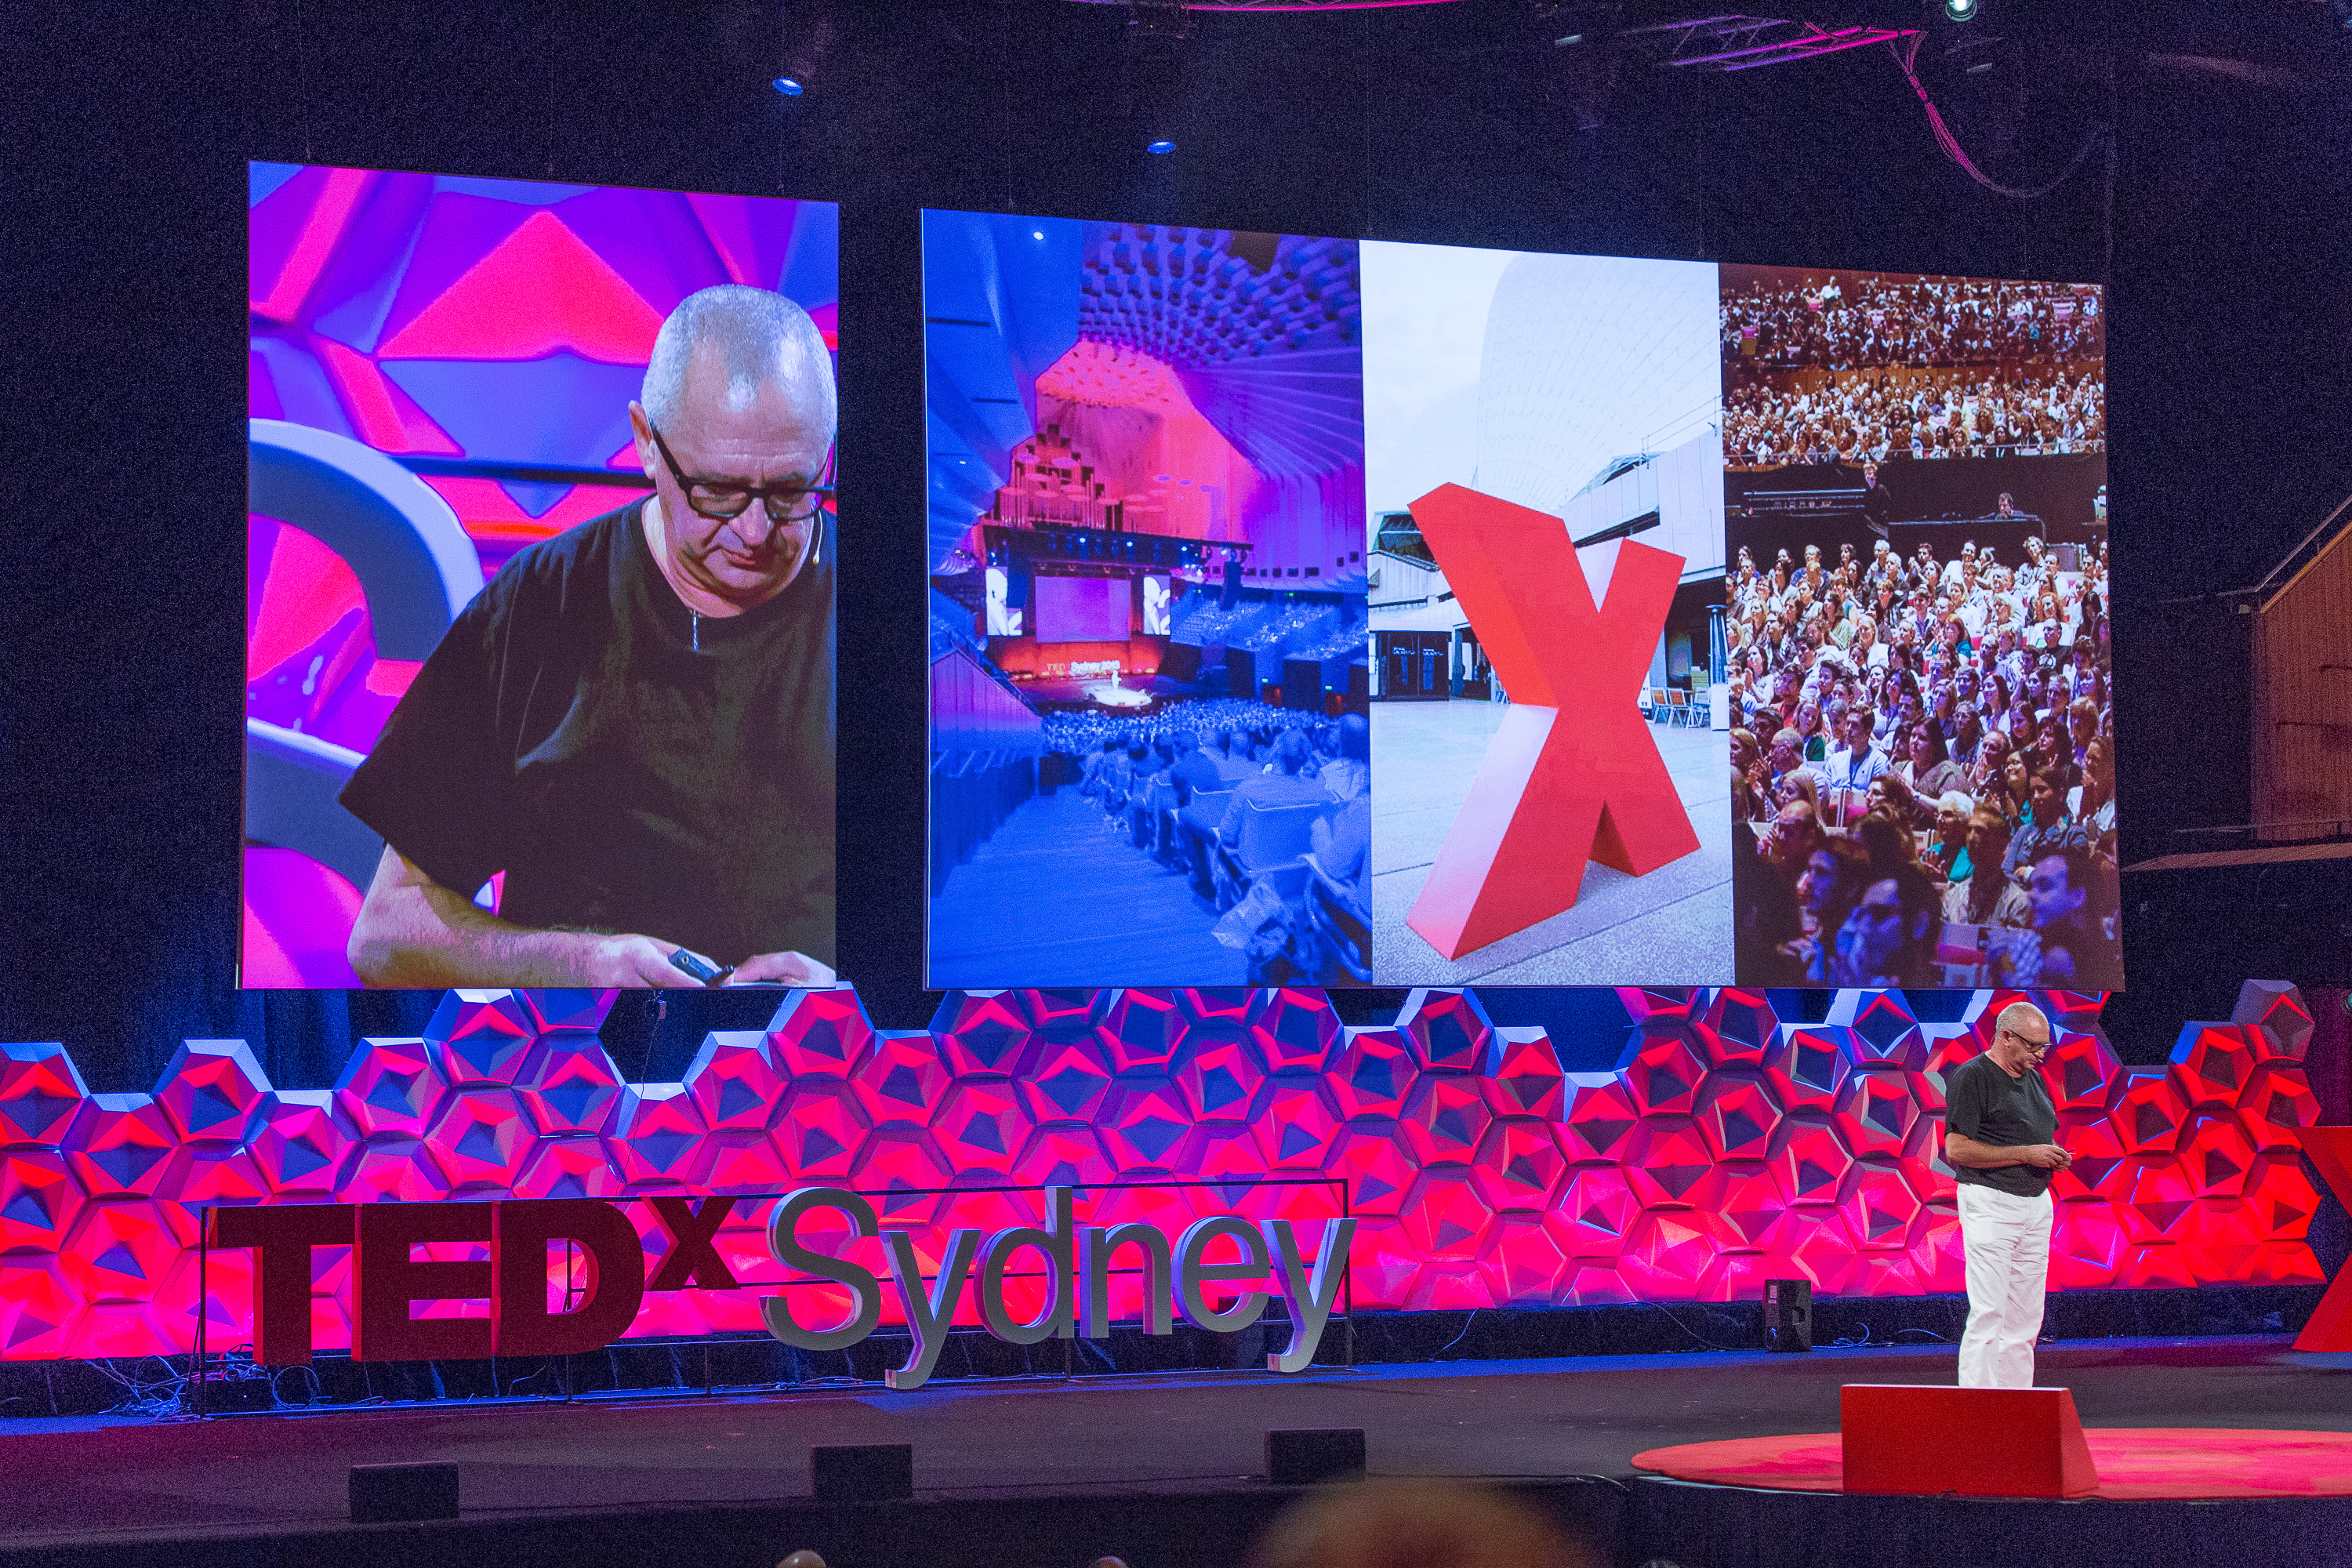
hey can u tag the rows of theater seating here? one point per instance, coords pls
(1248, 645)
(1205, 618)
(1297, 918)
(1294, 625)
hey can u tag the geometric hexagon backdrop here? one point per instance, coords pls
(1726, 1148)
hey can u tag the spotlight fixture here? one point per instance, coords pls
(1161, 147)
(1960, 10)
(801, 60)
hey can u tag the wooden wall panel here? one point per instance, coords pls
(2303, 707)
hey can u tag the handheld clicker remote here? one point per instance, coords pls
(708, 972)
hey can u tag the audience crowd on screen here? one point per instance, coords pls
(1080, 732)
(1923, 744)
(1828, 370)
(1176, 784)
(1872, 320)
(1878, 414)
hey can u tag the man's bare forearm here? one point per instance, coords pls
(428, 936)
(413, 931)
(1962, 1150)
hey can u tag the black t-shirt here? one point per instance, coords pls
(1983, 1102)
(1878, 507)
(629, 766)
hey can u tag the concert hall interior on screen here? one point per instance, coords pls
(1149, 688)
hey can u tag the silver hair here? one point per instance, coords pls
(2016, 1012)
(761, 337)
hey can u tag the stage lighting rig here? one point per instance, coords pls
(1154, 21)
(1243, 6)
(1739, 43)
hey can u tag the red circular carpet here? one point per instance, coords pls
(2177, 1462)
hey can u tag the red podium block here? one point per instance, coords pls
(2329, 1328)
(1979, 1442)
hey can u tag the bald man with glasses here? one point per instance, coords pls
(2000, 1125)
(634, 721)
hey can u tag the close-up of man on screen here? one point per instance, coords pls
(634, 721)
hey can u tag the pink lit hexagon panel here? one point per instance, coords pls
(1727, 1147)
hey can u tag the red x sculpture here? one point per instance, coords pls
(1573, 774)
(2330, 1328)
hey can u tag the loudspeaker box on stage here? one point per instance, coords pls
(1788, 1314)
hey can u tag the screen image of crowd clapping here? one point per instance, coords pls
(1918, 609)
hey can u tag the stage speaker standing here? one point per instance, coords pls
(1999, 1127)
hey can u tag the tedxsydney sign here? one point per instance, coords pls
(387, 1276)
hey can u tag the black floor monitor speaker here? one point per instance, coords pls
(864, 1472)
(1788, 1314)
(389, 1494)
(1302, 1458)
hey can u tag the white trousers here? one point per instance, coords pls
(2007, 1242)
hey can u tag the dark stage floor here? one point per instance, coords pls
(116, 1490)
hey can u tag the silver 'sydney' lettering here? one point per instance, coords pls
(1078, 1265)
(387, 1279)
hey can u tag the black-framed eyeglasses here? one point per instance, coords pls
(725, 501)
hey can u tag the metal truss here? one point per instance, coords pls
(1273, 5)
(1729, 42)
(1734, 43)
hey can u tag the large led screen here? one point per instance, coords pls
(1084, 609)
(539, 619)
(1704, 625)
